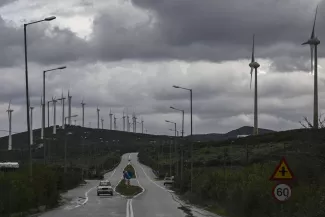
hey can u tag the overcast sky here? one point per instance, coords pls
(127, 54)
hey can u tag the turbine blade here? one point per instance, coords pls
(253, 49)
(313, 31)
(250, 86)
(312, 59)
(305, 43)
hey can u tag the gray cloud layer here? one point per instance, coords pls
(186, 30)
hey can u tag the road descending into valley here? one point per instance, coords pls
(154, 201)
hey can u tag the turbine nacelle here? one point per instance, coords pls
(312, 41)
(254, 65)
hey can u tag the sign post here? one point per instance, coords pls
(282, 191)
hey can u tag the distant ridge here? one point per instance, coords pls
(245, 130)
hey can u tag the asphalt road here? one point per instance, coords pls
(154, 201)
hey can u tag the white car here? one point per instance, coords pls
(104, 187)
(168, 180)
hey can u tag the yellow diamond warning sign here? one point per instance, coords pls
(282, 171)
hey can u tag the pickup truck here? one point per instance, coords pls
(168, 180)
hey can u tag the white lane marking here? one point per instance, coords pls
(154, 181)
(128, 208)
(87, 192)
(131, 208)
(136, 175)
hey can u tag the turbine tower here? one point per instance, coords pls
(115, 127)
(134, 123)
(54, 115)
(313, 42)
(102, 123)
(48, 113)
(31, 125)
(98, 117)
(62, 99)
(142, 125)
(83, 113)
(254, 66)
(110, 120)
(127, 122)
(10, 118)
(123, 121)
(42, 128)
(69, 108)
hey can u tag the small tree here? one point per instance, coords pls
(307, 124)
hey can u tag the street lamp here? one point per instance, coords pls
(174, 125)
(191, 100)
(43, 109)
(182, 118)
(27, 91)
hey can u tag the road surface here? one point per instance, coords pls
(154, 201)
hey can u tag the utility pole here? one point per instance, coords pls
(31, 126)
(98, 117)
(62, 99)
(69, 109)
(54, 115)
(83, 113)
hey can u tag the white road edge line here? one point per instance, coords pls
(154, 181)
(127, 208)
(131, 208)
(143, 190)
(87, 192)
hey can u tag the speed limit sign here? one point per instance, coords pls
(282, 192)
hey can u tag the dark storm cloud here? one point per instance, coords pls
(61, 45)
(186, 30)
(5, 2)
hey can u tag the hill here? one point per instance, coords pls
(245, 130)
(231, 177)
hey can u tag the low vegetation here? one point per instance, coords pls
(125, 189)
(231, 177)
(88, 158)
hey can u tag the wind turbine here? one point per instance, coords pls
(10, 118)
(127, 121)
(31, 125)
(254, 66)
(54, 115)
(115, 123)
(134, 123)
(110, 119)
(69, 108)
(313, 42)
(83, 113)
(98, 117)
(62, 99)
(123, 121)
(102, 123)
(142, 125)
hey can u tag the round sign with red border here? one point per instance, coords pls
(282, 192)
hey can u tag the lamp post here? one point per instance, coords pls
(191, 100)
(43, 109)
(175, 131)
(182, 118)
(27, 92)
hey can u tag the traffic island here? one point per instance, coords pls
(125, 186)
